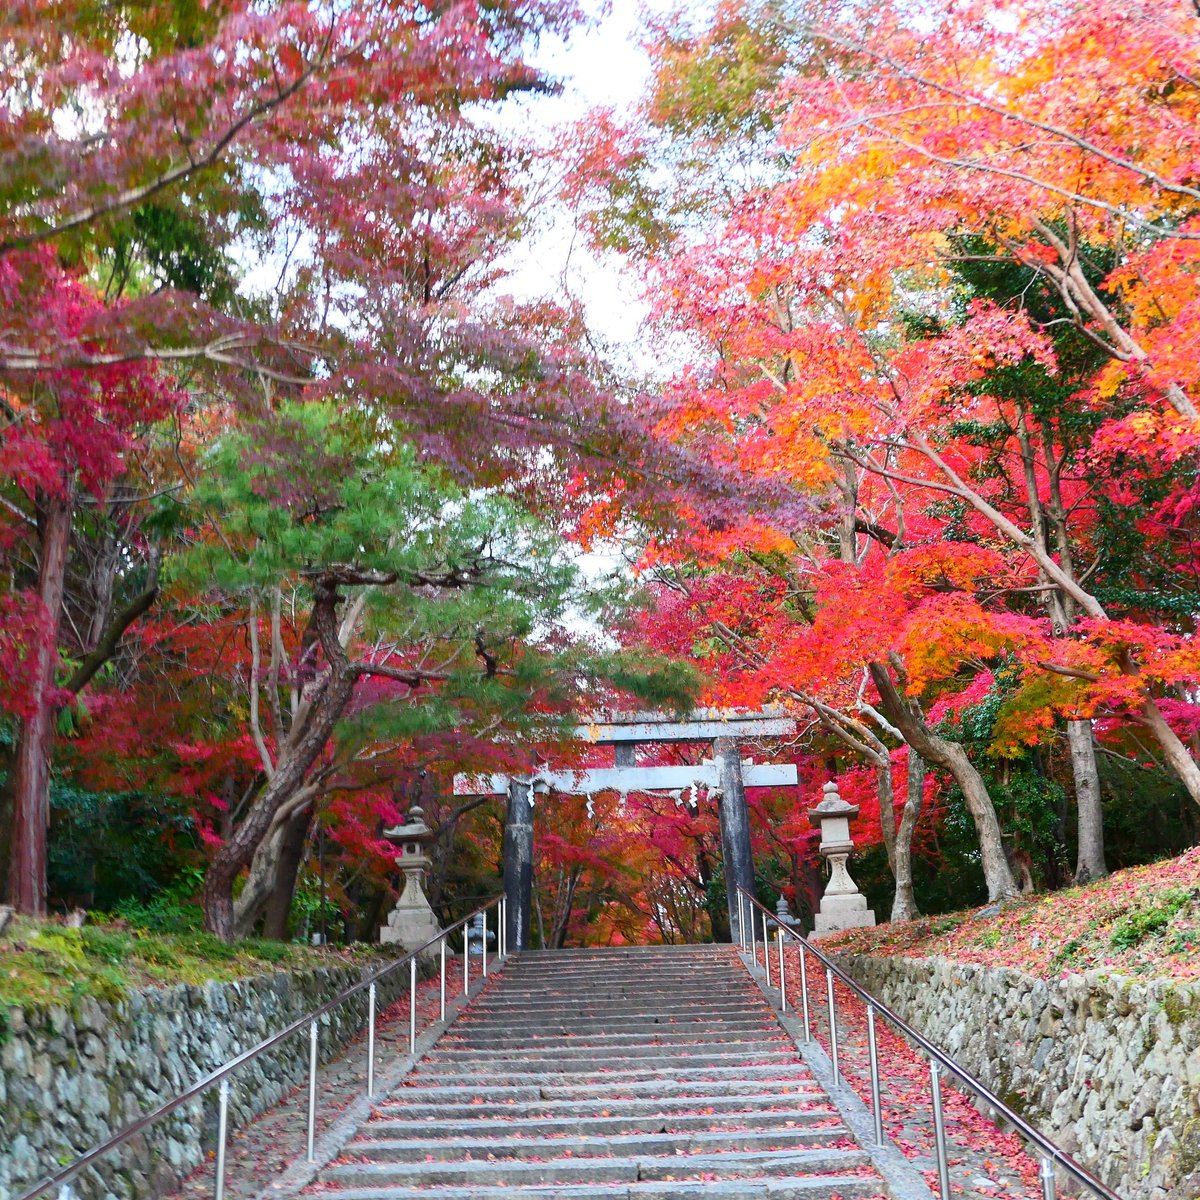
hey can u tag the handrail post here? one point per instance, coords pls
(939, 1127)
(804, 994)
(782, 972)
(1046, 1171)
(833, 1037)
(370, 1041)
(873, 1048)
(483, 940)
(412, 1006)
(222, 1132)
(312, 1091)
(742, 919)
(766, 951)
(443, 978)
(466, 960)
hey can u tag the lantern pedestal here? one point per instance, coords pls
(412, 922)
(843, 906)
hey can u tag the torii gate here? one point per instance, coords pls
(724, 774)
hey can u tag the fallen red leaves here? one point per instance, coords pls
(1100, 925)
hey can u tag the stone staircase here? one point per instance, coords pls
(653, 1071)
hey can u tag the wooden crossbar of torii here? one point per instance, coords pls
(724, 775)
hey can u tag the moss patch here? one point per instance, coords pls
(43, 962)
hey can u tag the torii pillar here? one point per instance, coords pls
(518, 864)
(735, 830)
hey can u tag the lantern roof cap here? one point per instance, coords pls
(831, 805)
(414, 828)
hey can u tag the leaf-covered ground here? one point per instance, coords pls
(43, 962)
(985, 1162)
(1144, 921)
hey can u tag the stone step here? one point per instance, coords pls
(735, 1085)
(627, 1003)
(609, 1169)
(585, 1063)
(598, 1009)
(613, 998)
(691, 1018)
(683, 992)
(605, 1032)
(641, 953)
(577, 1048)
(804, 1187)
(599, 1039)
(600, 1047)
(407, 1107)
(456, 1125)
(492, 1082)
(640, 981)
(714, 1077)
(648, 975)
(558, 977)
(621, 1145)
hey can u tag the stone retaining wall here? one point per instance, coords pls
(73, 1074)
(1106, 1066)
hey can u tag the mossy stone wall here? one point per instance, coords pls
(73, 1074)
(1107, 1066)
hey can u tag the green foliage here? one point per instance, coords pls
(660, 682)
(722, 86)
(1030, 802)
(715, 897)
(308, 907)
(1152, 920)
(172, 910)
(107, 946)
(109, 849)
(945, 924)
(158, 246)
(1066, 952)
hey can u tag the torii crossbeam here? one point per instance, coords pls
(724, 775)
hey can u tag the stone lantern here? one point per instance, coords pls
(843, 906)
(783, 914)
(412, 922)
(478, 933)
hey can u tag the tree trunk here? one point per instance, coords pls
(953, 758)
(904, 906)
(1090, 861)
(293, 764)
(31, 768)
(887, 808)
(566, 904)
(1175, 752)
(271, 884)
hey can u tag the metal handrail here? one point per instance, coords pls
(1050, 1152)
(220, 1076)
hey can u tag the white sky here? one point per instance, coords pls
(601, 66)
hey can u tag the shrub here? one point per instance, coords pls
(1133, 929)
